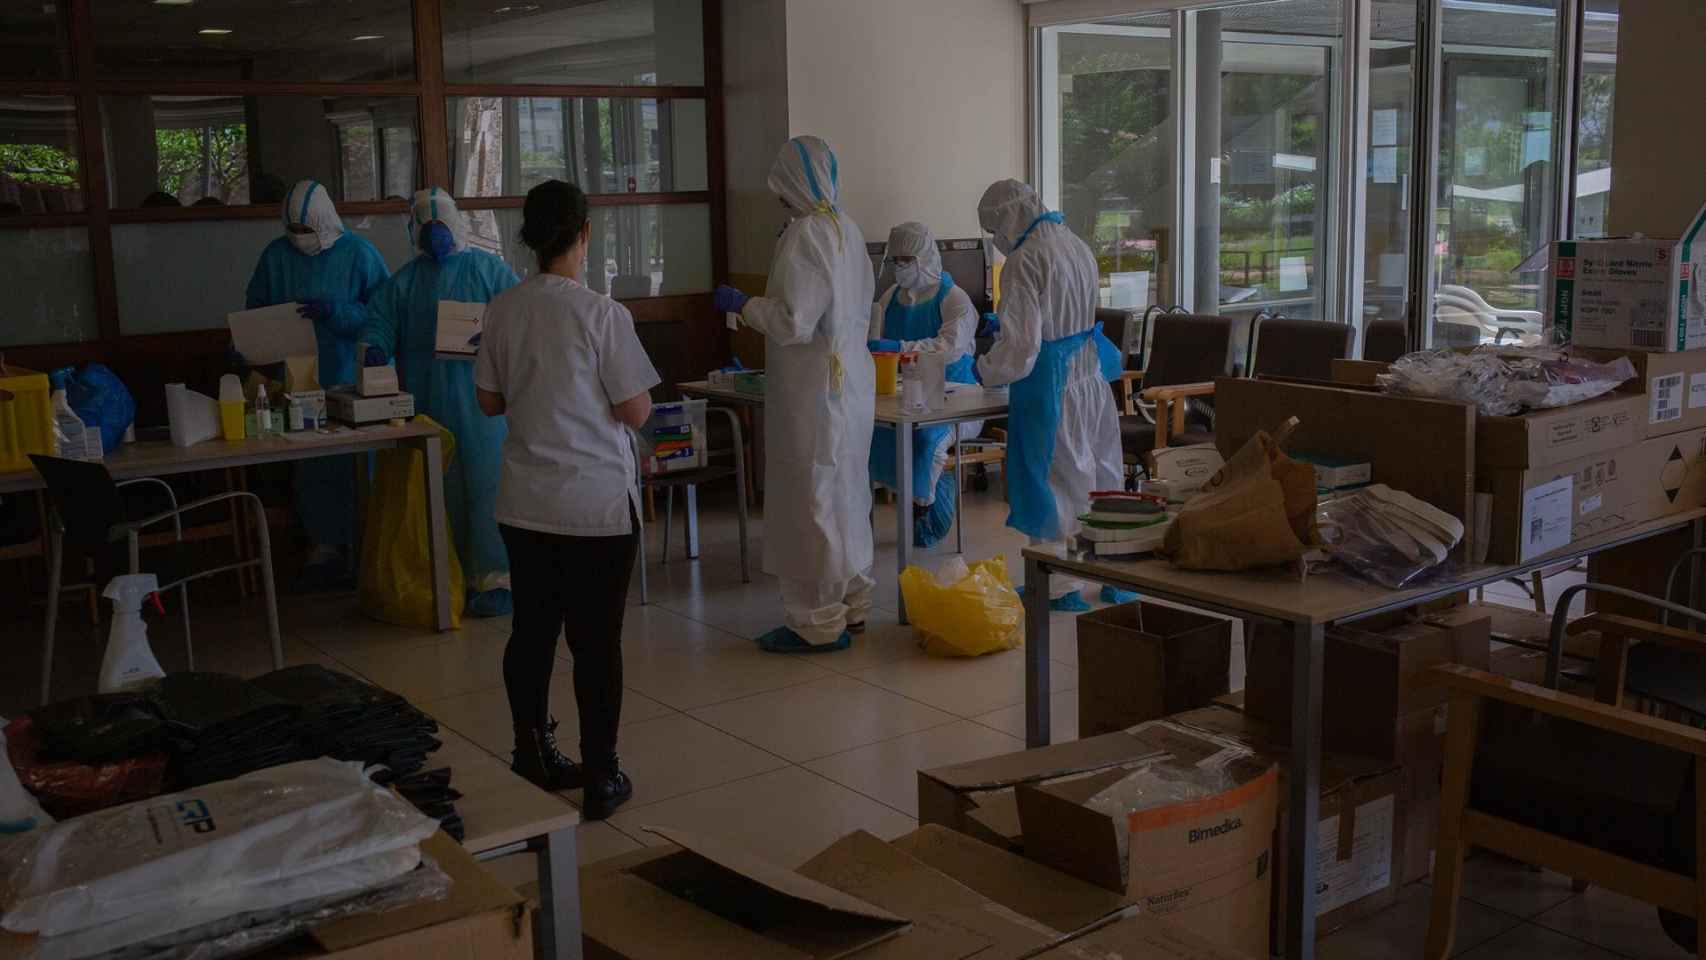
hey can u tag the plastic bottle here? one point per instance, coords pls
(263, 412)
(129, 661)
(73, 438)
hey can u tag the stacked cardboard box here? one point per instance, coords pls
(1143, 661)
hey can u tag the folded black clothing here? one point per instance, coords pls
(206, 706)
(98, 729)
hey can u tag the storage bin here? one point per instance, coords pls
(26, 420)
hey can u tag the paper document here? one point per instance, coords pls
(269, 334)
(458, 323)
(1546, 517)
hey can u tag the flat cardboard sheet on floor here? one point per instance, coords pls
(1141, 937)
(700, 898)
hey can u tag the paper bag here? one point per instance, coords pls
(1257, 511)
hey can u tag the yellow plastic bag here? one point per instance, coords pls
(396, 562)
(975, 613)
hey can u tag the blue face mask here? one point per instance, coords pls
(437, 240)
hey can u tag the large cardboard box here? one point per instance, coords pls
(1143, 661)
(1672, 387)
(976, 798)
(1629, 293)
(1360, 843)
(1544, 437)
(697, 898)
(1189, 836)
(1543, 510)
(1142, 937)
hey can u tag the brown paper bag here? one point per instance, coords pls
(1257, 511)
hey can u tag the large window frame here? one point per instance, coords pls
(85, 86)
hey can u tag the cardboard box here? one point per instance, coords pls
(950, 921)
(977, 799)
(1143, 661)
(1672, 385)
(1141, 937)
(697, 898)
(1202, 863)
(1545, 437)
(1544, 510)
(1629, 293)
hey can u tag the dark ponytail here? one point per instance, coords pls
(552, 219)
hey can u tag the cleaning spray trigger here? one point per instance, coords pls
(128, 661)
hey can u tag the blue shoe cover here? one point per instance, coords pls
(1073, 602)
(783, 640)
(932, 525)
(1116, 595)
(491, 603)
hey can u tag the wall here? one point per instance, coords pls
(1656, 150)
(755, 98)
(923, 102)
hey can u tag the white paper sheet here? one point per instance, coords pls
(1294, 273)
(458, 321)
(269, 334)
(1384, 131)
(1383, 164)
(1547, 517)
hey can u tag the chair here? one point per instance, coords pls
(1588, 787)
(1454, 303)
(1385, 341)
(88, 515)
(1298, 349)
(690, 480)
(1186, 352)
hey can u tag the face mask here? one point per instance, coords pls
(437, 240)
(306, 243)
(909, 275)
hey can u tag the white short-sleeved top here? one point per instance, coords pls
(561, 356)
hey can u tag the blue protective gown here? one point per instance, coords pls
(347, 274)
(403, 323)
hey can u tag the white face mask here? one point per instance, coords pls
(307, 243)
(910, 276)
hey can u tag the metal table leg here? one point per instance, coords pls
(559, 897)
(692, 521)
(1036, 655)
(959, 484)
(1303, 781)
(902, 508)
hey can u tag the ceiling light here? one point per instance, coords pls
(369, 36)
(213, 31)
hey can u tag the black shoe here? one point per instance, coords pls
(538, 761)
(604, 793)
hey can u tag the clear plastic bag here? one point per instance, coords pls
(1364, 535)
(968, 611)
(1504, 381)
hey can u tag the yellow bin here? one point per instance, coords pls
(231, 419)
(26, 417)
(888, 373)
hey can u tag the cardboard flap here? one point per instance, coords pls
(1140, 938)
(785, 882)
(1044, 763)
(998, 814)
(1054, 899)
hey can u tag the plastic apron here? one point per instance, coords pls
(920, 321)
(1032, 421)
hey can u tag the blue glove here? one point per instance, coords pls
(991, 325)
(728, 300)
(375, 357)
(318, 311)
(883, 346)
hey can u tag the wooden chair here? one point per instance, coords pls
(1590, 788)
(1384, 340)
(1186, 352)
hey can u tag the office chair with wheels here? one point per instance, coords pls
(88, 516)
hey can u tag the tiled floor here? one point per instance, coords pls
(786, 754)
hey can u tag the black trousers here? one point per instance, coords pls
(579, 586)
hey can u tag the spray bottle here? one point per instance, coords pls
(19, 811)
(129, 662)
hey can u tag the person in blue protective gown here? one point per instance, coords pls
(403, 325)
(1063, 436)
(924, 312)
(332, 273)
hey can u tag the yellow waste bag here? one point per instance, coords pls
(975, 612)
(396, 561)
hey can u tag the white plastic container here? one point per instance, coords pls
(74, 439)
(129, 661)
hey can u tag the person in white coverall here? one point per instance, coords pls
(820, 389)
(1063, 435)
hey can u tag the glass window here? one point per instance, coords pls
(224, 150)
(504, 146)
(646, 251)
(1496, 174)
(38, 156)
(1108, 145)
(320, 40)
(50, 286)
(1598, 86)
(35, 43)
(614, 42)
(1391, 118)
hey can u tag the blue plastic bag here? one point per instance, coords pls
(100, 400)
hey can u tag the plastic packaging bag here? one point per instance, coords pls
(1387, 536)
(1503, 381)
(101, 400)
(164, 856)
(968, 611)
(70, 787)
(395, 584)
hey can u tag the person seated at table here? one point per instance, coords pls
(1063, 437)
(924, 312)
(332, 273)
(562, 362)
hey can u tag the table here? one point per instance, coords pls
(1306, 609)
(502, 815)
(966, 403)
(159, 458)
